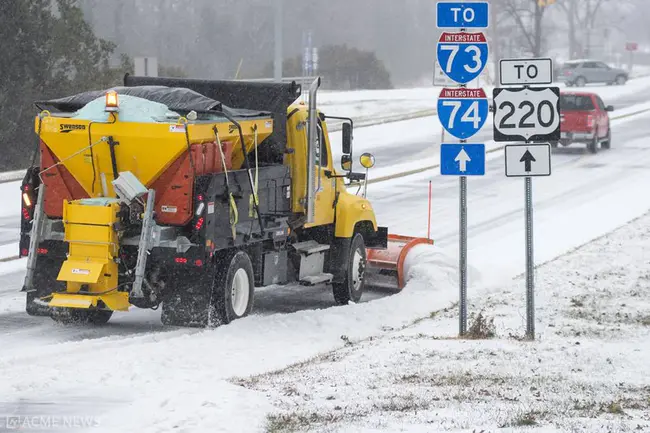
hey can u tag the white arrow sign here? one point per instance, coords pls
(462, 159)
(528, 160)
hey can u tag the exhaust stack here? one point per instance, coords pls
(311, 151)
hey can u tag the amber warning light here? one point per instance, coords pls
(111, 101)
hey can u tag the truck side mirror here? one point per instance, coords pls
(347, 138)
(346, 162)
(609, 108)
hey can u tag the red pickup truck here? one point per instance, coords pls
(584, 119)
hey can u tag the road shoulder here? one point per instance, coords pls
(586, 372)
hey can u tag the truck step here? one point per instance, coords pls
(310, 247)
(312, 280)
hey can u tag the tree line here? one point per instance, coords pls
(53, 52)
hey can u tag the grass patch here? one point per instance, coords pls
(575, 302)
(481, 328)
(525, 419)
(402, 403)
(460, 380)
(298, 421)
(614, 408)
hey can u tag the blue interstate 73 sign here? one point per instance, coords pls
(462, 159)
(462, 112)
(462, 56)
(462, 15)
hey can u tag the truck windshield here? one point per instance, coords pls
(576, 103)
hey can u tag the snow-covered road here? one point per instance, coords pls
(144, 378)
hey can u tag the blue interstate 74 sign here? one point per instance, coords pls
(462, 112)
(462, 15)
(462, 159)
(462, 56)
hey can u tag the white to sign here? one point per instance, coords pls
(517, 72)
(524, 160)
(526, 114)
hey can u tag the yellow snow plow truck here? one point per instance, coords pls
(187, 194)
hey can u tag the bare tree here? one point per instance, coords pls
(581, 14)
(528, 15)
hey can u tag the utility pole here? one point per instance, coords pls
(277, 69)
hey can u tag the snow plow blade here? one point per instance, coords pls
(385, 268)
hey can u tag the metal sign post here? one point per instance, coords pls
(528, 114)
(530, 262)
(462, 265)
(526, 161)
(462, 57)
(462, 111)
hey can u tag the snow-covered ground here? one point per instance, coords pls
(587, 371)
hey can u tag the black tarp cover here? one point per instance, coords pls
(178, 99)
(245, 95)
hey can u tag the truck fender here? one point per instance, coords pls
(351, 210)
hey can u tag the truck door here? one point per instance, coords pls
(325, 187)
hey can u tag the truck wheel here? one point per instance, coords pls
(233, 290)
(592, 146)
(607, 144)
(75, 315)
(187, 297)
(35, 309)
(354, 279)
(45, 283)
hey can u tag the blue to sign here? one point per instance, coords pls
(462, 56)
(462, 15)
(462, 112)
(462, 159)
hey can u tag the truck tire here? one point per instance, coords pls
(353, 283)
(592, 146)
(79, 316)
(33, 308)
(45, 283)
(233, 290)
(607, 144)
(187, 297)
